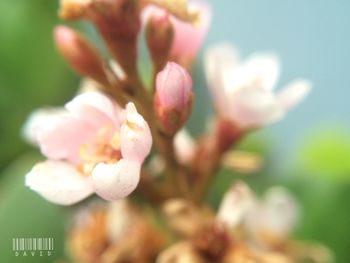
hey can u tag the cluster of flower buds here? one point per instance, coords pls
(98, 143)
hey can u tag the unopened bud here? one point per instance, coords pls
(173, 97)
(159, 37)
(79, 53)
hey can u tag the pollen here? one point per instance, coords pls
(91, 154)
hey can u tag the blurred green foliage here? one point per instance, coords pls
(33, 75)
(327, 153)
(31, 72)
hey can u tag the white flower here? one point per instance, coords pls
(243, 92)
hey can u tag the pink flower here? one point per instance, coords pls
(243, 91)
(173, 97)
(188, 38)
(92, 146)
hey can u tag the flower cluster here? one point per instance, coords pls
(121, 136)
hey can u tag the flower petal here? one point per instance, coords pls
(95, 108)
(279, 211)
(184, 147)
(135, 136)
(220, 61)
(61, 136)
(36, 120)
(116, 181)
(261, 69)
(58, 182)
(294, 93)
(236, 204)
(252, 107)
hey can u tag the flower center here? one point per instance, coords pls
(106, 149)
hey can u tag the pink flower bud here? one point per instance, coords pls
(173, 98)
(79, 53)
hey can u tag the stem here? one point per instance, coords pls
(208, 156)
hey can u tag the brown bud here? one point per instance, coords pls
(79, 53)
(159, 37)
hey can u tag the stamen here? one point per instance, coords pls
(99, 152)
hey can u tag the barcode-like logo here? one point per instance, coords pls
(41, 246)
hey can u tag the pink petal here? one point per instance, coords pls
(188, 38)
(252, 107)
(116, 181)
(95, 108)
(61, 136)
(174, 87)
(135, 136)
(294, 93)
(58, 182)
(37, 120)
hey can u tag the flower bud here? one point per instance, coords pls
(79, 53)
(173, 98)
(159, 36)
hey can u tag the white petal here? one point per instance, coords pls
(58, 182)
(220, 61)
(37, 120)
(252, 107)
(236, 204)
(135, 135)
(294, 93)
(184, 146)
(116, 181)
(262, 70)
(279, 211)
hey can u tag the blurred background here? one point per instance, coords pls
(309, 151)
